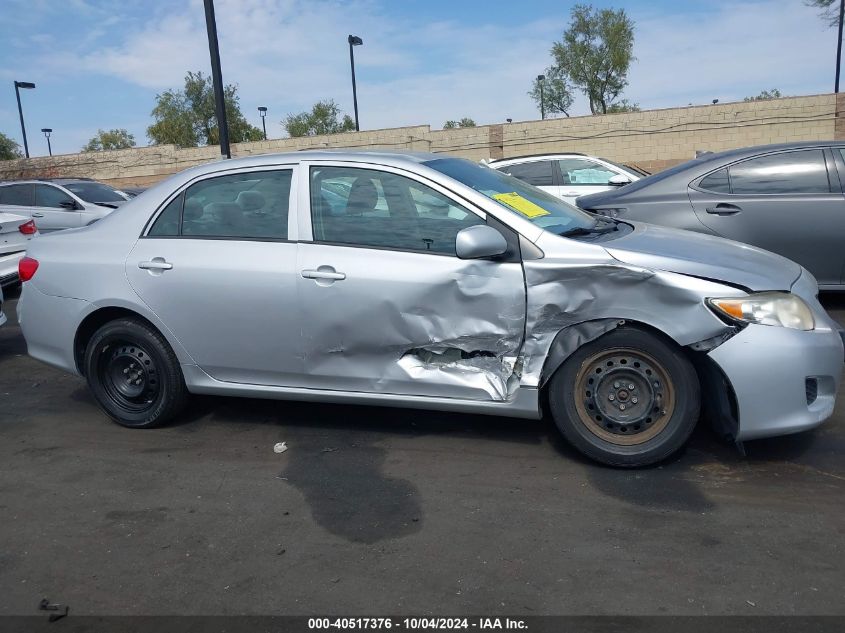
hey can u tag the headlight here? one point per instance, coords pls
(766, 308)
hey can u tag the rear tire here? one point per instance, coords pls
(134, 374)
(627, 399)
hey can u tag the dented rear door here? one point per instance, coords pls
(386, 306)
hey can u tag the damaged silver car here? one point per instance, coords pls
(431, 282)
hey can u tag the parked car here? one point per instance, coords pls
(567, 176)
(247, 281)
(785, 198)
(61, 203)
(2, 314)
(15, 233)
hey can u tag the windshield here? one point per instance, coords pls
(628, 169)
(524, 200)
(94, 192)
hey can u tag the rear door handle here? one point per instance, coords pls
(157, 263)
(324, 272)
(723, 209)
(38, 215)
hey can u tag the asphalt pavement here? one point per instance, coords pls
(392, 511)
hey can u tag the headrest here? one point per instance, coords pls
(250, 200)
(363, 197)
(192, 210)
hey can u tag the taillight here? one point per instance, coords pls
(26, 268)
(28, 228)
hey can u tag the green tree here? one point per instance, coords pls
(465, 122)
(623, 105)
(829, 10)
(765, 95)
(110, 139)
(187, 117)
(9, 150)
(324, 118)
(557, 92)
(595, 54)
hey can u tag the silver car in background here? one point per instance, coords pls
(430, 282)
(62, 203)
(15, 233)
(787, 198)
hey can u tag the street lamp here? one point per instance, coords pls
(542, 80)
(354, 40)
(47, 131)
(217, 79)
(18, 85)
(262, 112)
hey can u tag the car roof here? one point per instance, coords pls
(55, 181)
(538, 157)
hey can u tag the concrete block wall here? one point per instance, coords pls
(652, 139)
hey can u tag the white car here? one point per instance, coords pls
(65, 203)
(568, 176)
(15, 233)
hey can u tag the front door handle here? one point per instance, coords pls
(157, 263)
(723, 209)
(38, 215)
(572, 193)
(324, 272)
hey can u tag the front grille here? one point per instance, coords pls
(811, 387)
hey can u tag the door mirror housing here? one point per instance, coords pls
(480, 241)
(619, 180)
(69, 204)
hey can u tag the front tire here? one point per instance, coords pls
(627, 399)
(134, 374)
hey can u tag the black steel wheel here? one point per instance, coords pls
(134, 374)
(629, 398)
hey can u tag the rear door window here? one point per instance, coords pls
(801, 171)
(20, 195)
(538, 173)
(248, 205)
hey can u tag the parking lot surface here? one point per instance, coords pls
(392, 511)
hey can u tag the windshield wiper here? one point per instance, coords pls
(599, 228)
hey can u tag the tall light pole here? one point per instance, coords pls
(262, 112)
(542, 80)
(47, 131)
(354, 40)
(18, 86)
(839, 43)
(217, 78)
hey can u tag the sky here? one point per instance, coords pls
(100, 63)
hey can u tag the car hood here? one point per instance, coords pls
(703, 256)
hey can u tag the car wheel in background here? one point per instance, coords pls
(626, 399)
(134, 374)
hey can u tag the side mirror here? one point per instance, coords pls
(476, 242)
(619, 180)
(68, 204)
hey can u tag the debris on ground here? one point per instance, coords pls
(60, 609)
(281, 447)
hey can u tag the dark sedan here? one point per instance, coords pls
(784, 198)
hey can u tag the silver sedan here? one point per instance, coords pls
(432, 282)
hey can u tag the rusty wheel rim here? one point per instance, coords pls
(624, 396)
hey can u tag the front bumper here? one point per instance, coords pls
(784, 380)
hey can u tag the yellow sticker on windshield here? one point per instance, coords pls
(521, 205)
